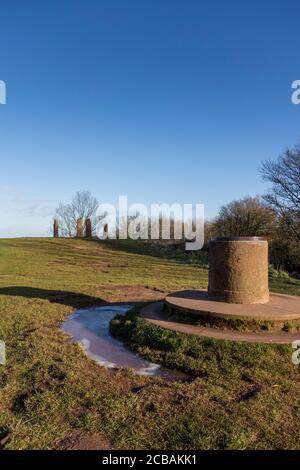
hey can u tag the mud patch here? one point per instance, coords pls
(251, 394)
(78, 440)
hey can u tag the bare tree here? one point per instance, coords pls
(83, 206)
(245, 217)
(284, 195)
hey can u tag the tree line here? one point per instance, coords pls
(275, 215)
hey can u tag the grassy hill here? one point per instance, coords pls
(51, 392)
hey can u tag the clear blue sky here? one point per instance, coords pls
(162, 100)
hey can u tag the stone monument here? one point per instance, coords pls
(238, 285)
(79, 228)
(238, 270)
(55, 228)
(88, 228)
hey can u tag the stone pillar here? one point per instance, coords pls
(55, 228)
(79, 228)
(238, 270)
(105, 232)
(88, 228)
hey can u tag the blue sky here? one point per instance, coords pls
(161, 100)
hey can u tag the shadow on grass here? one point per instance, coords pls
(174, 252)
(72, 299)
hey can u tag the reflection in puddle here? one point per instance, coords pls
(90, 327)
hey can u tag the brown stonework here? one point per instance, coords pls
(157, 315)
(280, 308)
(88, 228)
(55, 228)
(79, 228)
(238, 270)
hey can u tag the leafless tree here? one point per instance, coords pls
(83, 206)
(245, 217)
(284, 195)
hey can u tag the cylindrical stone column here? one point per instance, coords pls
(238, 270)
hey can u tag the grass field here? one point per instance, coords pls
(51, 394)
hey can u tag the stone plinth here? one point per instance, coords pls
(280, 308)
(238, 270)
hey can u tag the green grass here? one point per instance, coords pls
(240, 396)
(231, 323)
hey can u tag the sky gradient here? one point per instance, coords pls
(161, 100)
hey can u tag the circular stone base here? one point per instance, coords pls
(155, 314)
(280, 307)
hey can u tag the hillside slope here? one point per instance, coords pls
(52, 394)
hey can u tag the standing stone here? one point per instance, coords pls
(88, 228)
(55, 228)
(79, 228)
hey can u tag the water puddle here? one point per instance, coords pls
(90, 328)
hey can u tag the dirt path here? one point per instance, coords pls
(155, 314)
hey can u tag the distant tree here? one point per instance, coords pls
(210, 231)
(244, 218)
(83, 206)
(284, 195)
